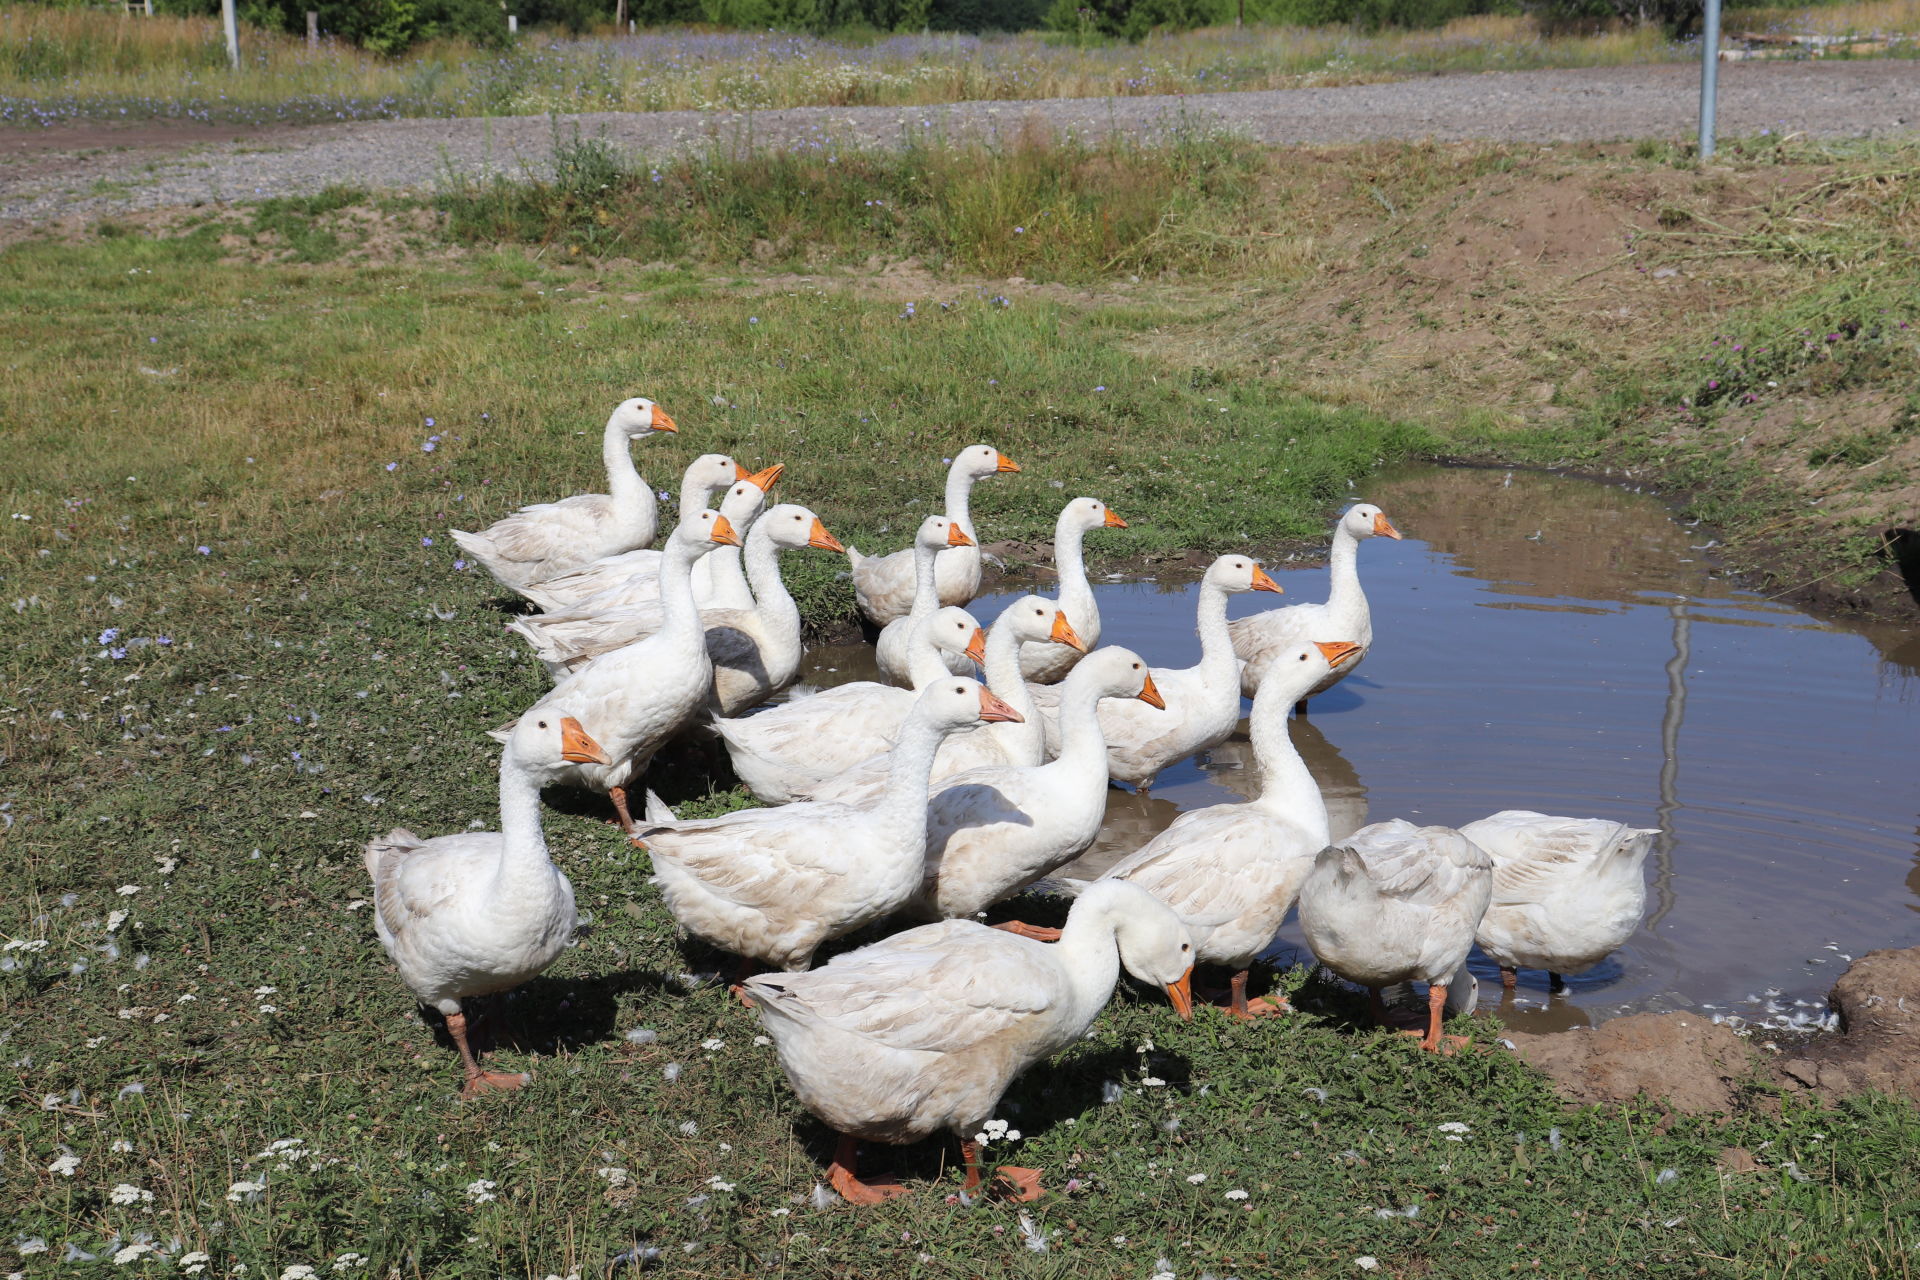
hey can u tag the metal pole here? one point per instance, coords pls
(1709, 75)
(232, 25)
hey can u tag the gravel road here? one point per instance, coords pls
(1834, 99)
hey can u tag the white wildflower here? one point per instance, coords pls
(349, 1259)
(1196, 1178)
(1153, 1082)
(115, 919)
(1367, 1263)
(712, 1044)
(762, 1040)
(194, 1263)
(298, 1271)
(120, 1145)
(1236, 1194)
(480, 1190)
(127, 1193)
(245, 1192)
(781, 1212)
(1455, 1131)
(614, 1174)
(65, 1165)
(719, 1184)
(127, 890)
(132, 1252)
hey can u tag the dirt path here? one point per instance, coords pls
(106, 172)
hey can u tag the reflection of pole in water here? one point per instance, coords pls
(1670, 722)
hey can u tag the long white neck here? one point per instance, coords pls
(726, 565)
(524, 872)
(926, 598)
(679, 616)
(1287, 788)
(924, 663)
(1083, 743)
(1345, 602)
(1025, 740)
(694, 499)
(959, 491)
(630, 492)
(1090, 958)
(779, 616)
(903, 806)
(1076, 593)
(1216, 646)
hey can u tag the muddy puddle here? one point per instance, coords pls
(1553, 643)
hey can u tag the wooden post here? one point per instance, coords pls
(619, 16)
(513, 24)
(313, 29)
(232, 25)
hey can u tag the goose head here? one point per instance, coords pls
(791, 525)
(639, 416)
(712, 472)
(742, 503)
(957, 701)
(708, 529)
(953, 630)
(937, 533)
(1364, 520)
(1300, 668)
(981, 460)
(1090, 514)
(547, 739)
(1154, 946)
(1117, 673)
(1034, 620)
(1233, 573)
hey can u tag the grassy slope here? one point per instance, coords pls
(323, 662)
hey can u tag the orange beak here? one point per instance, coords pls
(1262, 581)
(765, 478)
(1114, 521)
(577, 745)
(821, 540)
(1181, 993)
(1063, 632)
(1005, 463)
(661, 422)
(1383, 527)
(723, 533)
(957, 537)
(977, 647)
(1151, 695)
(1336, 652)
(991, 708)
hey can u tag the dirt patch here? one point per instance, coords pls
(1698, 1066)
(146, 134)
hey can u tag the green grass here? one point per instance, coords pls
(201, 451)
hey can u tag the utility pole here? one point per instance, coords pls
(232, 25)
(1709, 75)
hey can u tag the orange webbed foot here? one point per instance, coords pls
(854, 1191)
(740, 993)
(1265, 1007)
(492, 1081)
(1023, 1184)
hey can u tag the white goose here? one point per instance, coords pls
(1566, 891)
(566, 639)
(786, 750)
(551, 537)
(710, 473)
(884, 585)
(890, 650)
(1202, 701)
(478, 912)
(1232, 871)
(993, 831)
(634, 699)
(773, 884)
(755, 651)
(1398, 903)
(1261, 638)
(926, 1030)
(1028, 621)
(1044, 665)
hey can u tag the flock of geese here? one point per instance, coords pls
(931, 797)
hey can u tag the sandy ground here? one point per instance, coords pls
(96, 170)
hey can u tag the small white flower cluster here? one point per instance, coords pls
(196, 1262)
(65, 1165)
(615, 1176)
(719, 1184)
(996, 1131)
(481, 1190)
(298, 1271)
(1455, 1131)
(349, 1260)
(245, 1192)
(1236, 1194)
(127, 1193)
(1196, 1178)
(133, 1251)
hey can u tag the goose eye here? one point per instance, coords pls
(1303, 657)
(1185, 947)
(543, 724)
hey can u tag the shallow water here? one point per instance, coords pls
(1552, 643)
